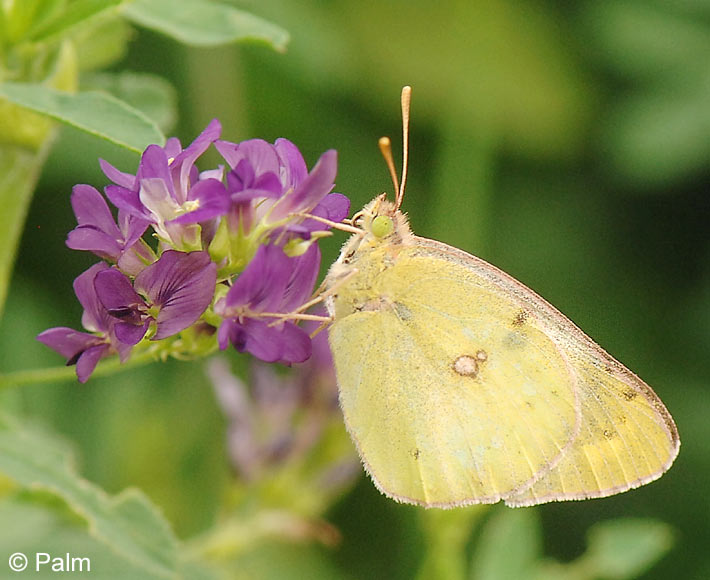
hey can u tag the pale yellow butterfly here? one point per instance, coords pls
(460, 385)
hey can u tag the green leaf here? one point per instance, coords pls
(35, 525)
(18, 18)
(625, 547)
(619, 549)
(127, 523)
(19, 170)
(509, 547)
(103, 44)
(77, 13)
(204, 23)
(96, 113)
(152, 95)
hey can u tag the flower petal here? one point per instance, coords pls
(293, 166)
(304, 271)
(95, 318)
(285, 343)
(90, 208)
(334, 207)
(131, 334)
(96, 230)
(125, 180)
(157, 200)
(118, 297)
(184, 162)
(125, 199)
(90, 239)
(213, 201)
(134, 259)
(80, 348)
(68, 342)
(296, 343)
(263, 282)
(312, 190)
(172, 147)
(88, 360)
(182, 285)
(261, 155)
(132, 227)
(154, 165)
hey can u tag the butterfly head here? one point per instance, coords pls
(381, 220)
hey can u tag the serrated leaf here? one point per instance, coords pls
(97, 113)
(204, 23)
(509, 546)
(128, 523)
(77, 13)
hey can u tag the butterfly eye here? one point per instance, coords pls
(382, 226)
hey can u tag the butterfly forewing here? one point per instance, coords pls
(459, 403)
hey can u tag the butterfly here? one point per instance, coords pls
(459, 385)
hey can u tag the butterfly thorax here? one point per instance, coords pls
(385, 232)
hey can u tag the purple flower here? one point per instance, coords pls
(241, 233)
(271, 284)
(268, 183)
(178, 288)
(81, 348)
(167, 185)
(98, 233)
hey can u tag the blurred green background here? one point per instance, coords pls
(567, 143)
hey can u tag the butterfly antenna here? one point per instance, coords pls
(386, 150)
(406, 100)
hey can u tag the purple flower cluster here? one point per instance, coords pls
(278, 420)
(233, 248)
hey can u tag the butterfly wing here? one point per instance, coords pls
(446, 399)
(627, 437)
(460, 385)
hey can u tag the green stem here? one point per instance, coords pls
(239, 533)
(446, 533)
(67, 373)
